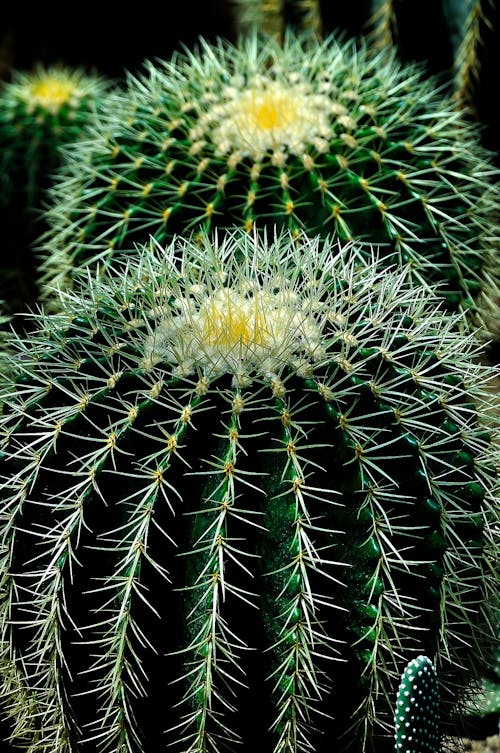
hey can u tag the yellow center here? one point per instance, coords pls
(243, 329)
(52, 91)
(228, 319)
(267, 111)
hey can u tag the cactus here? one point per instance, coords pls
(245, 479)
(39, 111)
(416, 716)
(316, 136)
(272, 17)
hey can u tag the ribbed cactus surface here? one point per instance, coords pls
(243, 482)
(316, 136)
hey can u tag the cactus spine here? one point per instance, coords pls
(242, 474)
(316, 136)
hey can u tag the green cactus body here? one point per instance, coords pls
(416, 716)
(316, 136)
(243, 483)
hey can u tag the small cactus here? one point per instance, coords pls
(319, 137)
(40, 110)
(244, 481)
(416, 716)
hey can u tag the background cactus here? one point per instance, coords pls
(488, 702)
(244, 482)
(320, 137)
(39, 110)
(416, 716)
(274, 17)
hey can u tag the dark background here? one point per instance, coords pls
(106, 37)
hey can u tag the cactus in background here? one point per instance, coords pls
(416, 716)
(272, 17)
(382, 25)
(477, 62)
(316, 136)
(488, 701)
(244, 481)
(470, 21)
(418, 33)
(39, 111)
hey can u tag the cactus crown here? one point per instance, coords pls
(40, 110)
(49, 89)
(219, 325)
